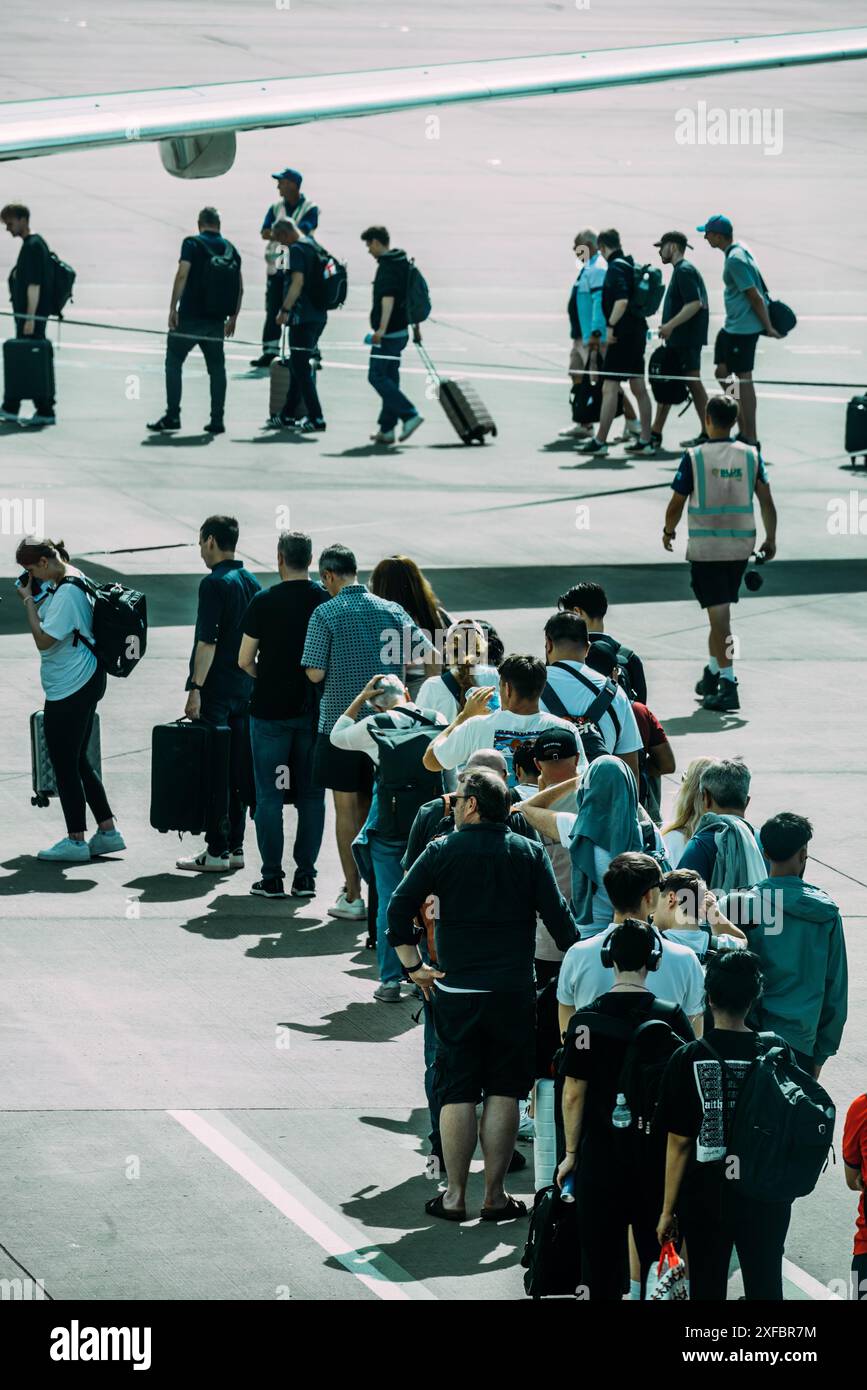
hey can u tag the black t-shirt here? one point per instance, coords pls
(198, 250)
(33, 267)
(278, 617)
(600, 1063)
(302, 257)
(618, 284)
(390, 281)
(224, 597)
(691, 1097)
(685, 287)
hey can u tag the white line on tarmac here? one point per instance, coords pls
(332, 1232)
(813, 1288)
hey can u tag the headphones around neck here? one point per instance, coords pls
(654, 952)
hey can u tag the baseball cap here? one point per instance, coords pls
(554, 744)
(717, 223)
(291, 174)
(678, 237)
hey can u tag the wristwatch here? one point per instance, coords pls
(671, 534)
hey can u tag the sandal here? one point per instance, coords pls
(435, 1208)
(509, 1212)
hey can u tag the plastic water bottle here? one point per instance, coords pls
(567, 1191)
(368, 338)
(621, 1116)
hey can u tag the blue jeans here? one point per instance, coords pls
(386, 857)
(383, 373)
(430, 1056)
(279, 744)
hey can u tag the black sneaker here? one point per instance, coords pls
(726, 698)
(264, 361)
(304, 886)
(269, 888)
(214, 427)
(165, 424)
(709, 683)
(695, 443)
(319, 426)
(641, 447)
(656, 438)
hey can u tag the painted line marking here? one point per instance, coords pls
(332, 1232)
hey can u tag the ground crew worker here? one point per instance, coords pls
(305, 214)
(720, 479)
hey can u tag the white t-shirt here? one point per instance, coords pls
(434, 693)
(577, 699)
(501, 730)
(355, 736)
(65, 667)
(675, 843)
(679, 979)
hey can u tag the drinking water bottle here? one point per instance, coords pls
(621, 1116)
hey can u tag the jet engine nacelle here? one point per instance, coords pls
(199, 156)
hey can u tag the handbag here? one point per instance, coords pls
(670, 1284)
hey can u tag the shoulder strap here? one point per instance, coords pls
(602, 703)
(383, 721)
(451, 685)
(553, 702)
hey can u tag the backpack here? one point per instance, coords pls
(649, 845)
(62, 284)
(402, 783)
(552, 1253)
(328, 282)
(586, 725)
(586, 397)
(664, 365)
(648, 290)
(120, 625)
(620, 656)
(221, 279)
(782, 1127)
(418, 305)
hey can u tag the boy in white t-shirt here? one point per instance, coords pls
(687, 912)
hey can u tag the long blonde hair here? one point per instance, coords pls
(689, 806)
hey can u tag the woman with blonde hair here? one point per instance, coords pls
(688, 810)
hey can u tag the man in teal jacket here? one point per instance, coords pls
(796, 931)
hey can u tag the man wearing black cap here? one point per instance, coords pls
(746, 305)
(683, 328)
(305, 214)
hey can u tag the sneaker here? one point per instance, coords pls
(526, 1126)
(304, 885)
(10, 417)
(383, 437)
(641, 447)
(355, 911)
(709, 683)
(265, 360)
(695, 443)
(269, 888)
(595, 447)
(388, 994)
(165, 424)
(319, 426)
(410, 426)
(305, 426)
(214, 427)
(656, 438)
(726, 697)
(236, 858)
(67, 851)
(106, 842)
(40, 420)
(274, 422)
(576, 432)
(631, 430)
(205, 863)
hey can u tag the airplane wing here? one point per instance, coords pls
(196, 126)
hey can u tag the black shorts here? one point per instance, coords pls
(737, 351)
(715, 582)
(625, 358)
(341, 769)
(688, 358)
(486, 1045)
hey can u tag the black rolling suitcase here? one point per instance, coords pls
(856, 428)
(44, 780)
(189, 775)
(462, 404)
(28, 369)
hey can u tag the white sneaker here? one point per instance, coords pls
(526, 1125)
(67, 851)
(383, 437)
(205, 863)
(410, 426)
(355, 911)
(8, 418)
(106, 842)
(575, 432)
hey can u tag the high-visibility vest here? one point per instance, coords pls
(720, 515)
(277, 256)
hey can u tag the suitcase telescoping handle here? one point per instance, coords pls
(428, 362)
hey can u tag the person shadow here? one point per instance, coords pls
(171, 888)
(705, 721)
(367, 451)
(368, 1022)
(32, 875)
(177, 441)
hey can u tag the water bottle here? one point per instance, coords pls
(621, 1116)
(567, 1191)
(368, 338)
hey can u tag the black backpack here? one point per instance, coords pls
(403, 784)
(586, 397)
(418, 303)
(327, 283)
(552, 1253)
(782, 1127)
(620, 656)
(648, 289)
(665, 377)
(586, 725)
(221, 280)
(62, 284)
(120, 625)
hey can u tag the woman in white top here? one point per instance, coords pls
(60, 617)
(465, 652)
(688, 811)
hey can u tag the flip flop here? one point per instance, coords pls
(435, 1208)
(509, 1212)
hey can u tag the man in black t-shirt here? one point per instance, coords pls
(684, 325)
(208, 266)
(390, 325)
(306, 321)
(30, 293)
(283, 714)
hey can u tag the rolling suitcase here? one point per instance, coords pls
(281, 374)
(44, 782)
(856, 428)
(462, 404)
(28, 369)
(189, 775)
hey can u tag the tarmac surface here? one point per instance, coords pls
(200, 1098)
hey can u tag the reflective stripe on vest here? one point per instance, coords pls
(277, 256)
(720, 515)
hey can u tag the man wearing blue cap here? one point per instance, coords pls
(305, 214)
(746, 305)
